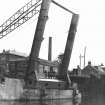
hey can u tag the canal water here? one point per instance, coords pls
(85, 100)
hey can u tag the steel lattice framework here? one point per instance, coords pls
(21, 16)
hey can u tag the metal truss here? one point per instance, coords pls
(21, 16)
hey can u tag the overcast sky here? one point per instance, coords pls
(90, 31)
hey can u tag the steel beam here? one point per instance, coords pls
(62, 7)
(63, 68)
(38, 37)
(20, 17)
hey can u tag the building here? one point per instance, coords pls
(15, 65)
(96, 71)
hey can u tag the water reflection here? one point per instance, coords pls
(97, 99)
(6, 102)
(47, 102)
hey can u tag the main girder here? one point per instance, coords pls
(21, 16)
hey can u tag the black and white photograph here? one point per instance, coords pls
(52, 52)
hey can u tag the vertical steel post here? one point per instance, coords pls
(80, 59)
(50, 49)
(84, 56)
(63, 68)
(38, 37)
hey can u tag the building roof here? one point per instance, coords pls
(14, 52)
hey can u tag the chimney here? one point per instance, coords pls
(89, 63)
(50, 49)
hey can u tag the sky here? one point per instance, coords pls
(90, 30)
